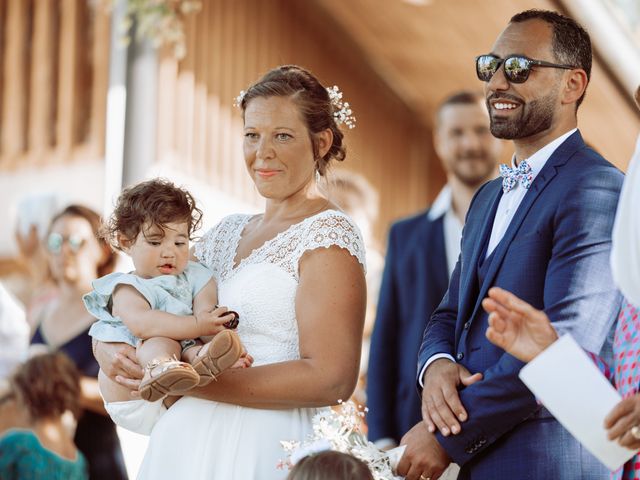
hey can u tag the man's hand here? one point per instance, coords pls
(517, 327)
(119, 362)
(441, 406)
(623, 421)
(423, 458)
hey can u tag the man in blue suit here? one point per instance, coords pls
(421, 253)
(542, 231)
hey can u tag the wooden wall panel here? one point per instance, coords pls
(54, 58)
(98, 66)
(68, 59)
(40, 106)
(230, 45)
(14, 111)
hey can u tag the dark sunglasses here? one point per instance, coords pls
(55, 242)
(516, 67)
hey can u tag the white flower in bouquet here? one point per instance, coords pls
(339, 430)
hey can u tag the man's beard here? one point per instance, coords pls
(535, 117)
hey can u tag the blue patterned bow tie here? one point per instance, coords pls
(511, 176)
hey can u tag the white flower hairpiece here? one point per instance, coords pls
(340, 431)
(342, 112)
(237, 102)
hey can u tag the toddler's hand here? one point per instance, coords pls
(211, 323)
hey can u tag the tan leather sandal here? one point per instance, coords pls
(167, 376)
(217, 355)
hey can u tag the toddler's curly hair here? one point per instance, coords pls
(153, 202)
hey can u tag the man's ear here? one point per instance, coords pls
(637, 96)
(574, 86)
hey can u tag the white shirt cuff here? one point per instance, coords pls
(432, 359)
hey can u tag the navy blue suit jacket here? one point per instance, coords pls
(414, 281)
(554, 255)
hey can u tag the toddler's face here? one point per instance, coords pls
(157, 251)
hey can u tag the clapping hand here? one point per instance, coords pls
(517, 327)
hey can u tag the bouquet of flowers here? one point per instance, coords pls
(339, 430)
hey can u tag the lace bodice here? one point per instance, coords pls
(262, 287)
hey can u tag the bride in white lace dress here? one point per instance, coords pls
(295, 275)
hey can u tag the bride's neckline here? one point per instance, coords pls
(236, 264)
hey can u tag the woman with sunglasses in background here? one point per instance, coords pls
(77, 257)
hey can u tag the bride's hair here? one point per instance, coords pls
(313, 101)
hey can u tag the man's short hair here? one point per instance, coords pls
(570, 42)
(462, 97)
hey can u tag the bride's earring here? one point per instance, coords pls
(317, 176)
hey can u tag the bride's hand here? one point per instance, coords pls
(119, 362)
(517, 327)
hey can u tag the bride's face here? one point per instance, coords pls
(277, 147)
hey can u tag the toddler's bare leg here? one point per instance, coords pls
(156, 349)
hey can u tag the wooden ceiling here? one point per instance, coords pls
(424, 49)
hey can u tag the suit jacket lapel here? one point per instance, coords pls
(557, 159)
(480, 233)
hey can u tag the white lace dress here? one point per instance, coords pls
(200, 439)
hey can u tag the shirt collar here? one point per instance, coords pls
(441, 205)
(538, 160)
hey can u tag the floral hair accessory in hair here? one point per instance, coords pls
(237, 102)
(339, 430)
(341, 110)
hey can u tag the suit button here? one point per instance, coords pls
(467, 325)
(460, 356)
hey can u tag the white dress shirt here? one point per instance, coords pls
(507, 207)
(443, 205)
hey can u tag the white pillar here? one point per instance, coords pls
(116, 110)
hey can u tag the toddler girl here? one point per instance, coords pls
(163, 308)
